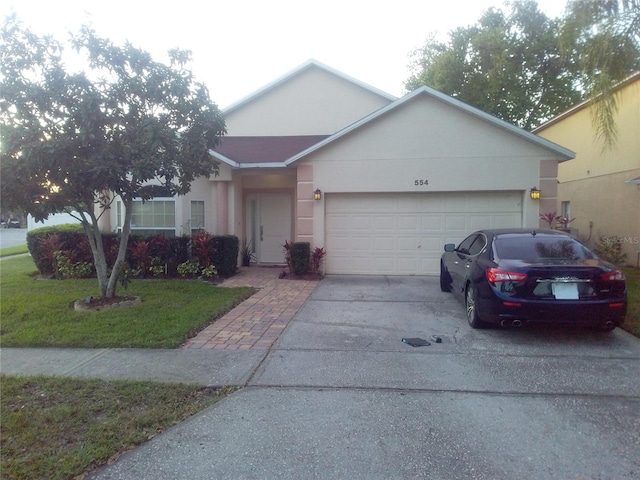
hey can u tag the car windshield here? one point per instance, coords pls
(540, 247)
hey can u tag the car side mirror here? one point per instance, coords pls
(449, 247)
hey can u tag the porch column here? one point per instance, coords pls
(304, 204)
(222, 208)
(548, 188)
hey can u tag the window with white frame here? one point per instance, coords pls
(197, 215)
(150, 217)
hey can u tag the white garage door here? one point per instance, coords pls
(404, 234)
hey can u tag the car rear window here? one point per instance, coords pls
(538, 247)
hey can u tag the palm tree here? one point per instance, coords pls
(603, 37)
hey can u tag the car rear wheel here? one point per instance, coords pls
(445, 285)
(472, 311)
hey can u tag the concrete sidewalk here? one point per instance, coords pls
(225, 353)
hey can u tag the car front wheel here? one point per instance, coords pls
(472, 311)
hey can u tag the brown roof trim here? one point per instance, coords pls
(265, 150)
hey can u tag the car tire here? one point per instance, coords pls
(445, 285)
(470, 303)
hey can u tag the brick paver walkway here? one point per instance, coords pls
(258, 321)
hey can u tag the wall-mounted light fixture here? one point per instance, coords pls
(317, 195)
(534, 193)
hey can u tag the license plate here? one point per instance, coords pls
(565, 291)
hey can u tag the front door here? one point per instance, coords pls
(269, 225)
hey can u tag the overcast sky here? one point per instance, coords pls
(240, 45)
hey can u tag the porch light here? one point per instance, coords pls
(535, 193)
(317, 195)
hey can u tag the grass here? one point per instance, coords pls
(39, 313)
(9, 251)
(60, 428)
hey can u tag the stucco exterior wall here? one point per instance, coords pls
(443, 149)
(594, 182)
(314, 102)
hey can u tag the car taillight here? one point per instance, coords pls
(615, 276)
(495, 275)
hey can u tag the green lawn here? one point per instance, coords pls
(60, 428)
(39, 313)
(9, 251)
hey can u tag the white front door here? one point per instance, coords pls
(269, 225)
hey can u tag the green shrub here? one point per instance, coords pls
(189, 269)
(68, 267)
(158, 254)
(300, 252)
(610, 249)
(43, 242)
(225, 256)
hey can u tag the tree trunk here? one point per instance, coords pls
(97, 249)
(122, 250)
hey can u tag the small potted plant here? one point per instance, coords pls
(564, 223)
(246, 254)
(549, 217)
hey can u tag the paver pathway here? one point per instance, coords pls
(258, 321)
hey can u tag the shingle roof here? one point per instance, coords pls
(272, 149)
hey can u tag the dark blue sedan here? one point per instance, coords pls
(511, 277)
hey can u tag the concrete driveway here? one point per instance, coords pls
(340, 396)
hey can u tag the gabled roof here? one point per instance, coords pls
(296, 71)
(291, 149)
(561, 151)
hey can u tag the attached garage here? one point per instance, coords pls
(404, 233)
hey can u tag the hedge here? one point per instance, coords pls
(300, 252)
(170, 251)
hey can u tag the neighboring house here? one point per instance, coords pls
(396, 178)
(601, 189)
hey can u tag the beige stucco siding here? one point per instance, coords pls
(315, 102)
(425, 140)
(441, 148)
(594, 182)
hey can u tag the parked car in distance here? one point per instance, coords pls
(511, 277)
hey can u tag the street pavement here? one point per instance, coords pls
(340, 396)
(12, 237)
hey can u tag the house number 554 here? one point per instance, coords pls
(421, 182)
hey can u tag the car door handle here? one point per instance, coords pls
(261, 232)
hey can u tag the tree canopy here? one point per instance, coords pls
(525, 68)
(602, 38)
(79, 139)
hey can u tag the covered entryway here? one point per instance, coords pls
(404, 233)
(268, 218)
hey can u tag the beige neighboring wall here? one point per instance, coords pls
(594, 183)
